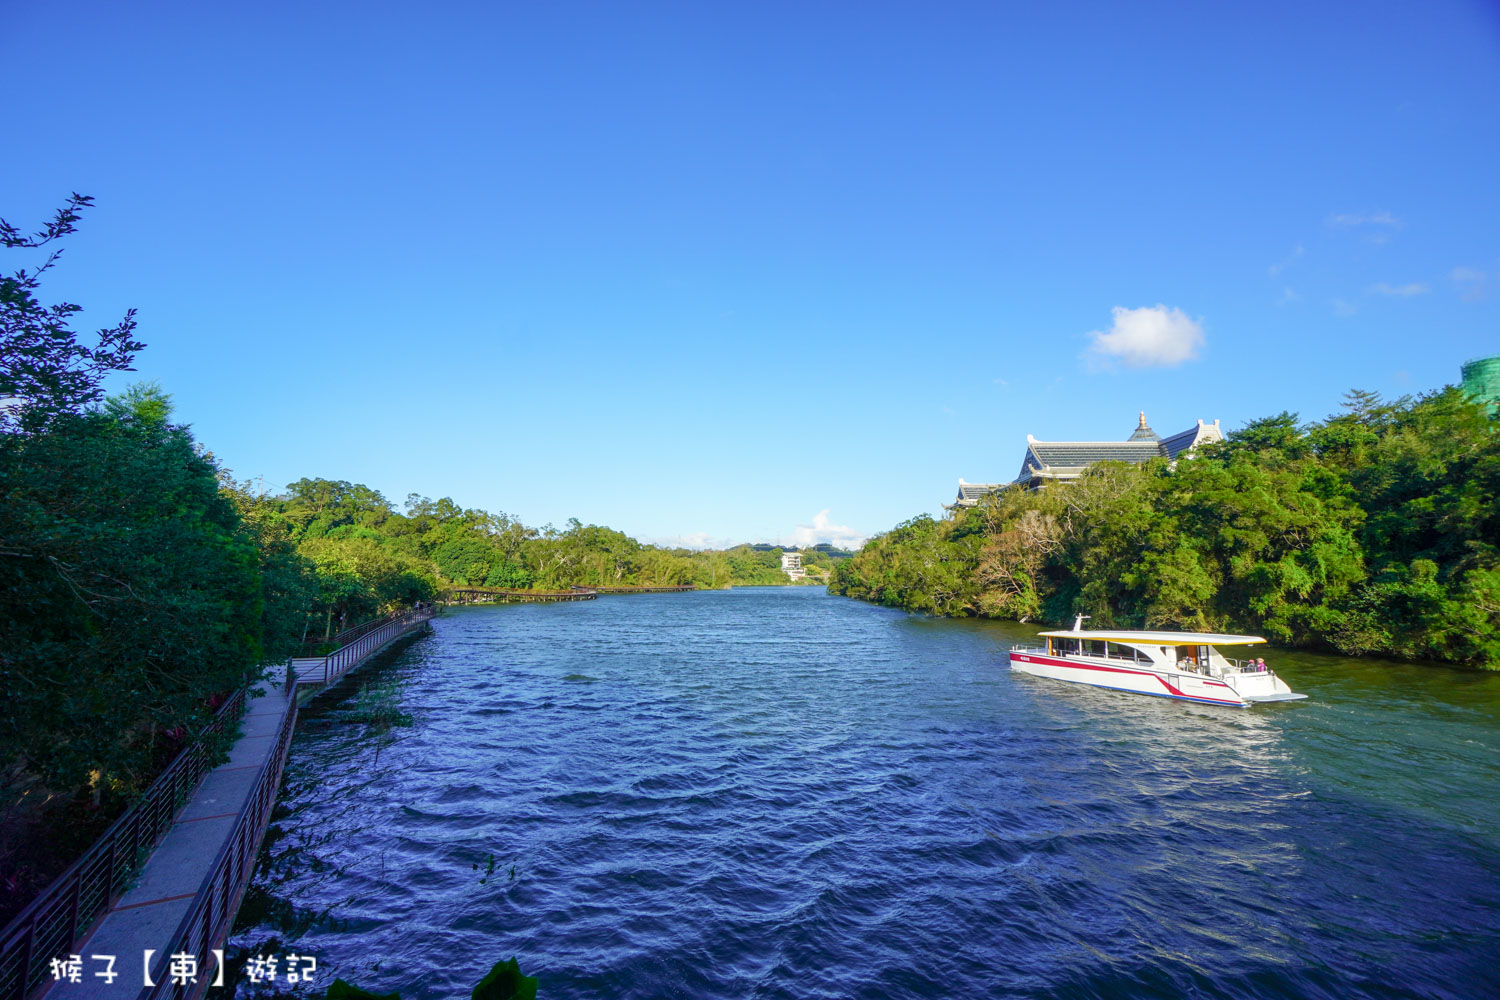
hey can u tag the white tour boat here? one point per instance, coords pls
(1184, 665)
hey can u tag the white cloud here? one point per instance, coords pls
(1342, 308)
(1404, 291)
(1287, 296)
(1291, 259)
(823, 530)
(1152, 336)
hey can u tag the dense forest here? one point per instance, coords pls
(1374, 531)
(365, 556)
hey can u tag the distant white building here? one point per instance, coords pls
(791, 565)
(1048, 462)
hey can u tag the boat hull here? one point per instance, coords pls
(1135, 679)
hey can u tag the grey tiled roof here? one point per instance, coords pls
(1178, 443)
(1068, 459)
(970, 494)
(1089, 452)
(974, 492)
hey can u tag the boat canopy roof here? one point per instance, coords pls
(1160, 638)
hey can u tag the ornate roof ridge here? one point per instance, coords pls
(1032, 440)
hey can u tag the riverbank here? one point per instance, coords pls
(1374, 532)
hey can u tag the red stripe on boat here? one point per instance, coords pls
(1071, 664)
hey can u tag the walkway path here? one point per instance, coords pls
(147, 917)
(189, 889)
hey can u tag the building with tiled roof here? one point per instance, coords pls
(970, 494)
(1048, 462)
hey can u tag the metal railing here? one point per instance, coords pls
(342, 660)
(67, 909)
(510, 594)
(352, 633)
(339, 662)
(208, 921)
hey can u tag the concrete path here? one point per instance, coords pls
(146, 916)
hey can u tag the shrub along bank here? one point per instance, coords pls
(369, 556)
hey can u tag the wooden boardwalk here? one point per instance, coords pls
(500, 595)
(495, 595)
(166, 879)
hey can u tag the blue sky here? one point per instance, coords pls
(718, 271)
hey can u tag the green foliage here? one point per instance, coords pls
(504, 981)
(378, 705)
(133, 592)
(1375, 531)
(369, 558)
(46, 370)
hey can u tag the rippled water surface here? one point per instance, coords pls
(777, 793)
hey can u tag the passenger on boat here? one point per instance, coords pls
(1260, 666)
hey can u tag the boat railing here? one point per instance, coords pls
(1247, 666)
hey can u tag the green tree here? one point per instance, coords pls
(132, 590)
(44, 368)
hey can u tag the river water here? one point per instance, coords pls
(775, 793)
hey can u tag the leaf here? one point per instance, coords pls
(505, 982)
